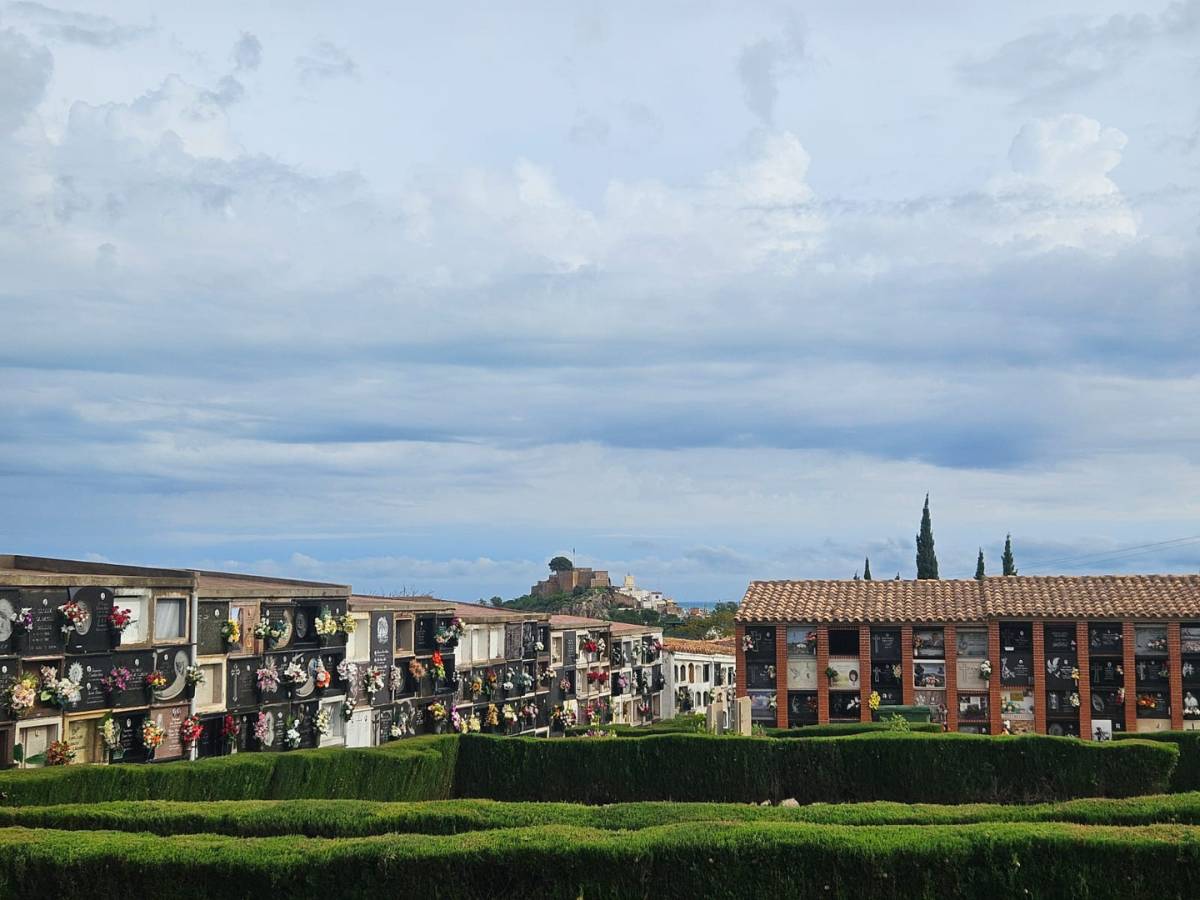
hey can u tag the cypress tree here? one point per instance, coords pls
(927, 566)
(867, 569)
(979, 566)
(1010, 567)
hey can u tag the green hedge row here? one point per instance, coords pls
(685, 724)
(841, 729)
(1186, 776)
(417, 769)
(359, 818)
(941, 768)
(699, 859)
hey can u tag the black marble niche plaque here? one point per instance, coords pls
(212, 618)
(423, 630)
(1016, 668)
(140, 663)
(570, 647)
(241, 682)
(92, 635)
(885, 645)
(45, 637)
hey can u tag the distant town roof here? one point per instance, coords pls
(968, 600)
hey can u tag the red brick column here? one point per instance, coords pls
(864, 672)
(994, 714)
(1038, 665)
(822, 679)
(1175, 674)
(739, 635)
(1083, 654)
(951, 639)
(781, 658)
(906, 665)
(1130, 678)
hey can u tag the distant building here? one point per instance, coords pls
(697, 672)
(566, 582)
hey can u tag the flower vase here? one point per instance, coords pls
(439, 727)
(150, 753)
(189, 691)
(114, 637)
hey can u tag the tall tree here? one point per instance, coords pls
(979, 566)
(561, 564)
(1010, 567)
(867, 569)
(927, 566)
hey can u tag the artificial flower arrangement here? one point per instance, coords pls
(473, 723)
(539, 646)
(193, 675)
(325, 624)
(21, 694)
(321, 677)
(1157, 645)
(267, 678)
(110, 733)
(561, 718)
(985, 670)
(643, 709)
(373, 680)
(437, 666)
(60, 692)
(1120, 697)
(294, 674)
(771, 672)
(545, 675)
(493, 716)
(656, 644)
(1147, 701)
(117, 679)
(853, 703)
(152, 735)
(348, 673)
(594, 676)
(262, 728)
(874, 701)
(268, 630)
(459, 724)
(1075, 701)
(832, 674)
(437, 712)
(621, 682)
(476, 686)
(448, 634)
(347, 623)
(601, 646)
(564, 685)
(510, 714)
(416, 668)
(120, 619)
(291, 737)
(347, 711)
(59, 753)
(22, 620)
(322, 722)
(773, 702)
(747, 643)
(156, 680)
(231, 631)
(190, 730)
(396, 679)
(508, 679)
(73, 615)
(590, 646)
(897, 670)
(1075, 675)
(230, 729)
(490, 681)
(395, 732)
(529, 711)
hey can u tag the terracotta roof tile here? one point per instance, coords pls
(1082, 596)
(723, 647)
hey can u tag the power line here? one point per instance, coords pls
(1117, 552)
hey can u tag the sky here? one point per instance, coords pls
(416, 296)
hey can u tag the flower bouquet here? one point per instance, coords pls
(326, 626)
(230, 730)
(231, 632)
(564, 685)
(190, 730)
(152, 737)
(116, 680)
(60, 692)
(416, 668)
(347, 623)
(192, 676)
(437, 667)
(294, 675)
(347, 711)
(373, 680)
(321, 677)
(118, 620)
(874, 701)
(269, 631)
(267, 679)
(110, 734)
(156, 681)
(322, 722)
(59, 753)
(262, 729)
(291, 737)
(396, 680)
(20, 695)
(437, 714)
(985, 670)
(22, 620)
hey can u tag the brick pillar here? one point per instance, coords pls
(1127, 642)
(739, 635)
(1175, 675)
(951, 639)
(906, 665)
(1038, 666)
(781, 658)
(822, 680)
(1083, 654)
(864, 672)
(996, 717)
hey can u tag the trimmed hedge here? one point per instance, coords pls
(1186, 776)
(942, 768)
(687, 724)
(359, 818)
(841, 729)
(701, 859)
(417, 769)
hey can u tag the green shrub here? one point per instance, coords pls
(358, 818)
(908, 713)
(417, 769)
(943, 768)
(701, 859)
(841, 729)
(1186, 776)
(684, 724)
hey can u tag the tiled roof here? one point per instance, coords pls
(1053, 596)
(723, 647)
(628, 628)
(559, 622)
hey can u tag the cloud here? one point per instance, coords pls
(247, 53)
(764, 63)
(325, 61)
(25, 72)
(78, 28)
(1071, 54)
